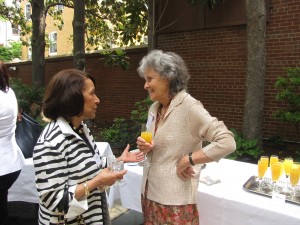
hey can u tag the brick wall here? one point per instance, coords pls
(217, 62)
(117, 89)
(216, 59)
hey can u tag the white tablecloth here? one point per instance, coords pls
(24, 188)
(225, 203)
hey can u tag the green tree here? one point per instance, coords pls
(8, 53)
(105, 23)
(289, 94)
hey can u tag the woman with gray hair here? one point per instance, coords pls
(179, 124)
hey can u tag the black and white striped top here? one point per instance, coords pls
(61, 156)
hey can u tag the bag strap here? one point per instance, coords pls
(63, 205)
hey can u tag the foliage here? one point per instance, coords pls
(14, 13)
(121, 133)
(8, 53)
(140, 113)
(114, 132)
(289, 87)
(124, 131)
(244, 147)
(116, 58)
(29, 97)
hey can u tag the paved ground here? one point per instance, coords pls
(130, 217)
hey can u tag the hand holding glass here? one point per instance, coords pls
(116, 166)
(147, 136)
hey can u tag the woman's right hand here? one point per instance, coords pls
(144, 146)
(108, 178)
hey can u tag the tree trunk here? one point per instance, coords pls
(152, 42)
(78, 35)
(256, 59)
(38, 42)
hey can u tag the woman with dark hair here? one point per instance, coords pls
(179, 124)
(11, 157)
(69, 168)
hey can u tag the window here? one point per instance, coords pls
(29, 53)
(59, 7)
(53, 43)
(15, 29)
(28, 11)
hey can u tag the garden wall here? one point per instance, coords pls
(216, 58)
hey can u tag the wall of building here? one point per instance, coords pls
(117, 89)
(216, 58)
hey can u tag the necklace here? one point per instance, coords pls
(78, 130)
(162, 111)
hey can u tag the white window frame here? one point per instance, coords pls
(15, 29)
(53, 43)
(28, 11)
(59, 7)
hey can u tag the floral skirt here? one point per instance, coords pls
(158, 214)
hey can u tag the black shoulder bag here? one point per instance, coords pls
(27, 133)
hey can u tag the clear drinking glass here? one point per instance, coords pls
(287, 164)
(147, 136)
(262, 166)
(116, 166)
(273, 159)
(276, 172)
(294, 178)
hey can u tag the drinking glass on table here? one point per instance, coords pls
(147, 136)
(275, 173)
(262, 166)
(273, 159)
(294, 178)
(287, 164)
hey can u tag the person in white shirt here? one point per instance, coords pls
(11, 157)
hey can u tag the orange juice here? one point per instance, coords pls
(287, 164)
(261, 165)
(275, 171)
(147, 136)
(273, 159)
(265, 160)
(294, 174)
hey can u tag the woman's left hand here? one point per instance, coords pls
(184, 169)
(128, 156)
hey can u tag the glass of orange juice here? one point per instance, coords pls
(262, 167)
(294, 177)
(275, 173)
(273, 159)
(147, 136)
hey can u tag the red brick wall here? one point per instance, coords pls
(217, 62)
(117, 89)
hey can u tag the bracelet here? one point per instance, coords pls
(191, 159)
(86, 189)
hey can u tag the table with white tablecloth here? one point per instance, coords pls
(24, 188)
(224, 203)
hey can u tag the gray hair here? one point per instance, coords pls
(170, 66)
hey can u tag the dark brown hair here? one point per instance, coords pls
(63, 95)
(4, 77)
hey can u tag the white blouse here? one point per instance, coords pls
(11, 157)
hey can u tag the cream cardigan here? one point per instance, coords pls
(185, 126)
